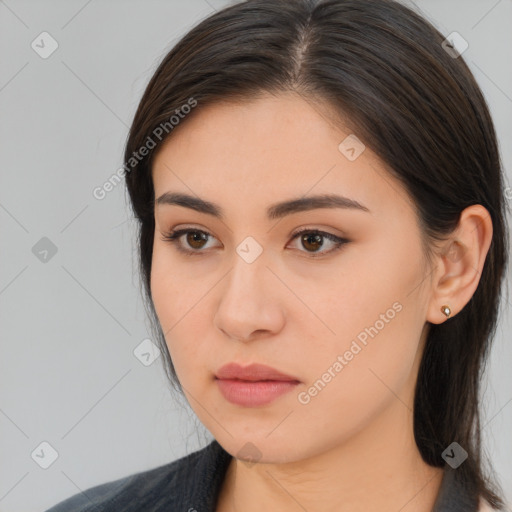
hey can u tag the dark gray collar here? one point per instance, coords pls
(454, 495)
(201, 492)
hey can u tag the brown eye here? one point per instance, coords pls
(312, 241)
(196, 239)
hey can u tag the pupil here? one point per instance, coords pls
(196, 237)
(317, 239)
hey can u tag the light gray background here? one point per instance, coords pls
(69, 326)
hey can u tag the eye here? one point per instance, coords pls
(194, 238)
(309, 238)
(314, 239)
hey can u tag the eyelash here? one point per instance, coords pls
(173, 237)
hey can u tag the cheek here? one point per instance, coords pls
(173, 288)
(374, 374)
(178, 302)
(374, 308)
(371, 282)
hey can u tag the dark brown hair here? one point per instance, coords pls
(382, 69)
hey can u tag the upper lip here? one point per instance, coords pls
(253, 372)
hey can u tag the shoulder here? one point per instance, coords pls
(162, 486)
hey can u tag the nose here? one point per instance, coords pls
(249, 305)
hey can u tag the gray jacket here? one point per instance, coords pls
(192, 484)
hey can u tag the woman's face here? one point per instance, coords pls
(346, 322)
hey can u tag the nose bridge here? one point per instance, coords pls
(249, 265)
(244, 307)
(250, 306)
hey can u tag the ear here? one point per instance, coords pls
(460, 263)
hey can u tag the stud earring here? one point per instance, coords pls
(446, 310)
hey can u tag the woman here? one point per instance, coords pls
(322, 246)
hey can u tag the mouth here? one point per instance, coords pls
(253, 385)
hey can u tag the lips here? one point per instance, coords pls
(254, 385)
(253, 372)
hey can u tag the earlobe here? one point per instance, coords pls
(461, 262)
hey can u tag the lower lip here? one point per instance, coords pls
(251, 394)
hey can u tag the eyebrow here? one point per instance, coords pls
(275, 211)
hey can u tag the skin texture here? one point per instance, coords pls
(351, 447)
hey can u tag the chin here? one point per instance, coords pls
(251, 449)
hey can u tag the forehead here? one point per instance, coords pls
(284, 125)
(268, 149)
